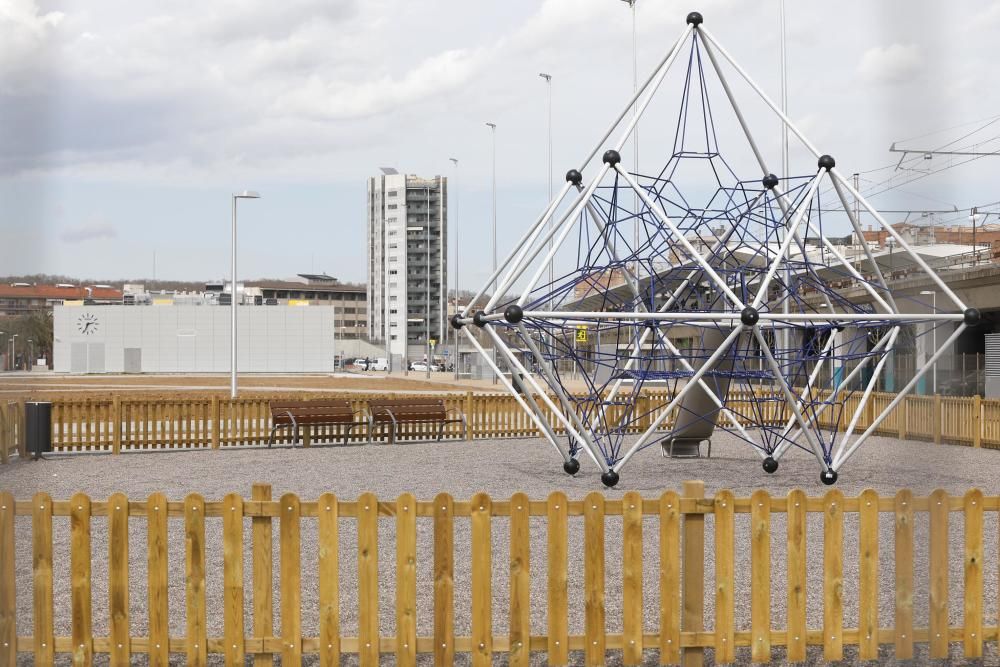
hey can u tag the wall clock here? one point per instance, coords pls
(87, 324)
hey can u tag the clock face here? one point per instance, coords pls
(87, 324)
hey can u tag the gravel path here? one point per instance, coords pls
(500, 468)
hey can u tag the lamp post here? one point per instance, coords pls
(13, 351)
(246, 194)
(454, 208)
(493, 217)
(427, 311)
(635, 130)
(548, 85)
(31, 354)
(933, 295)
(3, 346)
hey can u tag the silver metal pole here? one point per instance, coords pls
(427, 305)
(232, 310)
(934, 342)
(454, 217)
(493, 216)
(548, 85)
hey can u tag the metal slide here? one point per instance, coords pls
(698, 413)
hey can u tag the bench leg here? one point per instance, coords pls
(441, 430)
(270, 439)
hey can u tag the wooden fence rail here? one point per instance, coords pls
(115, 424)
(678, 544)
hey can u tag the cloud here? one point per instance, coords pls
(92, 230)
(893, 64)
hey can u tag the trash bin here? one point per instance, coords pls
(38, 428)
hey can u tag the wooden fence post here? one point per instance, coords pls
(977, 421)
(8, 583)
(902, 416)
(263, 575)
(217, 426)
(937, 419)
(116, 424)
(693, 573)
(470, 431)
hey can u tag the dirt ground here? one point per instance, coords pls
(51, 385)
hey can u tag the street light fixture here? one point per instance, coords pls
(933, 295)
(246, 194)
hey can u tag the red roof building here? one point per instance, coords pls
(20, 298)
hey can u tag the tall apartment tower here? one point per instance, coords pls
(407, 263)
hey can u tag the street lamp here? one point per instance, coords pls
(3, 346)
(635, 127)
(493, 218)
(246, 194)
(13, 351)
(454, 208)
(493, 131)
(548, 82)
(31, 354)
(933, 295)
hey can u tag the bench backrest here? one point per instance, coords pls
(311, 411)
(408, 409)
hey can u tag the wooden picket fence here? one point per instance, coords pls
(675, 528)
(115, 424)
(11, 429)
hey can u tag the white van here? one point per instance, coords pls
(379, 364)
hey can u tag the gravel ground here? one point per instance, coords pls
(500, 468)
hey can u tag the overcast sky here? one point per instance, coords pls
(126, 124)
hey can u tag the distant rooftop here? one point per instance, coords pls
(317, 278)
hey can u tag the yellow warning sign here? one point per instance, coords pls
(581, 333)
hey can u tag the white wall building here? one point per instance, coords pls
(192, 339)
(407, 262)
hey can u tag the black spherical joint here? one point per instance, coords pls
(573, 176)
(612, 157)
(695, 18)
(456, 321)
(827, 162)
(749, 316)
(828, 477)
(770, 465)
(513, 313)
(972, 317)
(479, 319)
(610, 478)
(770, 181)
(571, 467)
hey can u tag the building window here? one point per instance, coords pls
(393, 193)
(392, 207)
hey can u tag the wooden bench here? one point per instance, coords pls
(285, 414)
(398, 411)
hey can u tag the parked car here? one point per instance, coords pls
(379, 364)
(422, 366)
(360, 364)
